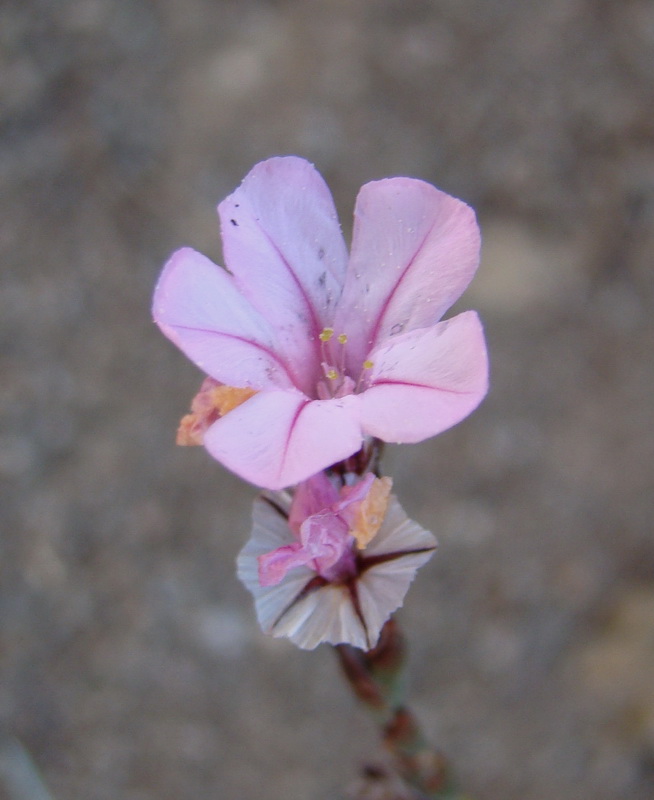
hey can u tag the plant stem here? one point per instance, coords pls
(377, 678)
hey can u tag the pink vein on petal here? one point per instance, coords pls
(391, 294)
(269, 351)
(307, 300)
(296, 416)
(390, 382)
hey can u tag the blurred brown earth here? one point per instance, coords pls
(131, 665)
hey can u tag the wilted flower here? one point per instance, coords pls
(316, 351)
(331, 565)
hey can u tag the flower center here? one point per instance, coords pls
(336, 382)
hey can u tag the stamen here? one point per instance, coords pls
(367, 365)
(325, 336)
(342, 340)
(333, 365)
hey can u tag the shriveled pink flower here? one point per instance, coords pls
(331, 565)
(326, 524)
(335, 348)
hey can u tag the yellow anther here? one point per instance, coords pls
(326, 334)
(368, 365)
(342, 338)
(332, 374)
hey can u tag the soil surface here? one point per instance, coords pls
(131, 665)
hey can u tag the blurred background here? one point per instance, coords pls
(131, 664)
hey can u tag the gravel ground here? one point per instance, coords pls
(131, 665)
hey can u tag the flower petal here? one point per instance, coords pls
(425, 381)
(414, 251)
(383, 585)
(382, 590)
(270, 531)
(324, 615)
(283, 243)
(198, 307)
(274, 565)
(276, 439)
(399, 534)
(310, 497)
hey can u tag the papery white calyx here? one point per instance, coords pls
(317, 584)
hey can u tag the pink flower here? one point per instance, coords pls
(327, 525)
(331, 566)
(335, 349)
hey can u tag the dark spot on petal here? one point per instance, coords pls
(322, 280)
(234, 223)
(321, 253)
(397, 328)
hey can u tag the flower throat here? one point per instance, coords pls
(336, 382)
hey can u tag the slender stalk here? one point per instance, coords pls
(377, 678)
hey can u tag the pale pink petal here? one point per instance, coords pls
(325, 538)
(310, 497)
(273, 566)
(283, 243)
(425, 381)
(198, 307)
(354, 494)
(277, 439)
(414, 251)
